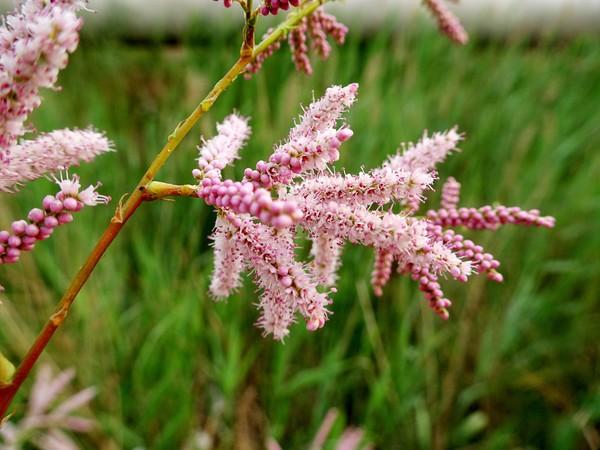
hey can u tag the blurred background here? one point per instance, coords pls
(518, 363)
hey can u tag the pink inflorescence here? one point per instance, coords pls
(35, 42)
(317, 27)
(311, 34)
(274, 6)
(448, 23)
(40, 224)
(227, 3)
(333, 209)
(48, 153)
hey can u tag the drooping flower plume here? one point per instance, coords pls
(310, 35)
(296, 189)
(448, 23)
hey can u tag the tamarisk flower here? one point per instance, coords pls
(311, 33)
(312, 144)
(35, 41)
(317, 26)
(273, 6)
(40, 224)
(287, 287)
(255, 66)
(373, 209)
(229, 260)
(325, 252)
(450, 194)
(50, 152)
(217, 153)
(448, 23)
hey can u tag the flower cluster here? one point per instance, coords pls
(448, 23)
(34, 45)
(273, 6)
(313, 30)
(269, 6)
(40, 224)
(333, 209)
(310, 34)
(50, 152)
(35, 42)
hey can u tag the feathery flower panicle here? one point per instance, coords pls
(426, 153)
(35, 42)
(334, 209)
(379, 186)
(48, 418)
(325, 251)
(229, 261)
(286, 286)
(49, 153)
(312, 144)
(217, 153)
(448, 23)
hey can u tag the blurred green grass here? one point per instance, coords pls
(518, 364)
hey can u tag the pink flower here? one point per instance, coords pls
(286, 286)
(426, 153)
(325, 251)
(34, 45)
(448, 23)
(40, 224)
(49, 153)
(312, 144)
(333, 209)
(229, 261)
(217, 153)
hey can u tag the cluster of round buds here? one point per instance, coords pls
(382, 270)
(319, 25)
(294, 158)
(244, 198)
(56, 210)
(450, 194)
(273, 6)
(489, 217)
(448, 23)
(432, 291)
(298, 41)
(227, 3)
(258, 62)
(467, 249)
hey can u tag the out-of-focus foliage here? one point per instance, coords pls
(516, 366)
